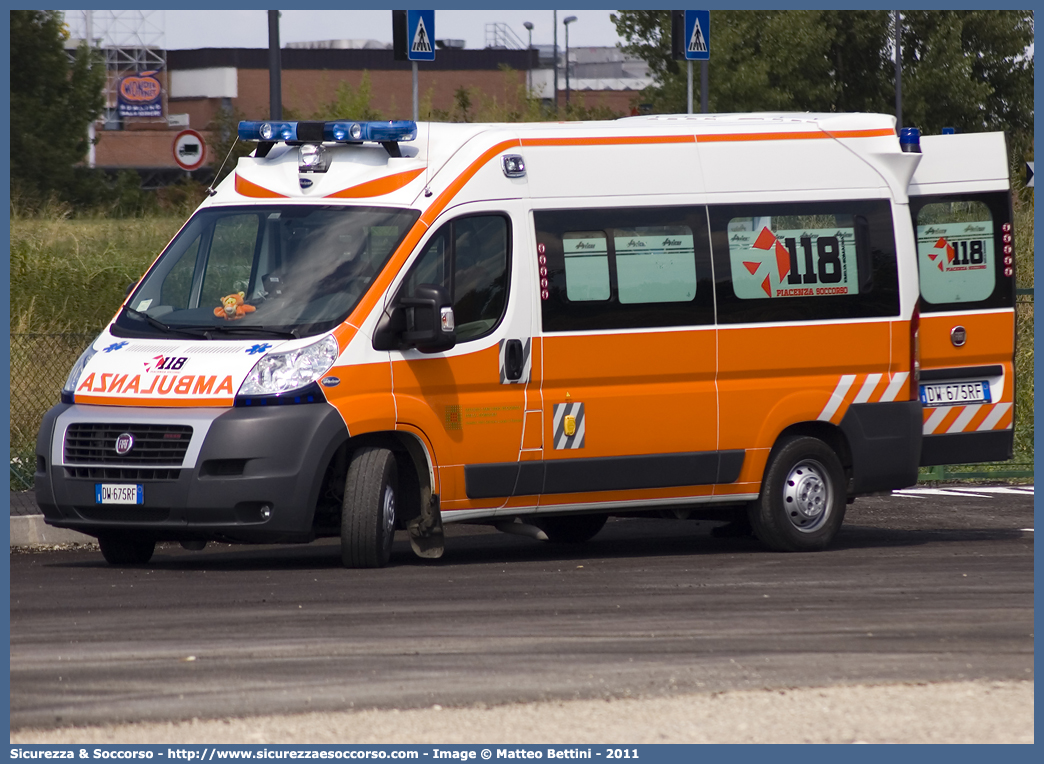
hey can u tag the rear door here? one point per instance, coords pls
(960, 205)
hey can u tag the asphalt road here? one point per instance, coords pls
(917, 588)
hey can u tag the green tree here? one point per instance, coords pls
(969, 70)
(966, 69)
(53, 101)
(771, 60)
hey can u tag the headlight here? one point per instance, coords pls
(291, 370)
(78, 367)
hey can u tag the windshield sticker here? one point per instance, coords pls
(791, 262)
(956, 261)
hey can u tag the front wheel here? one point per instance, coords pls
(802, 500)
(120, 548)
(368, 512)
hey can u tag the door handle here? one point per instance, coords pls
(513, 359)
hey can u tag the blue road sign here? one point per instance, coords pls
(697, 35)
(420, 35)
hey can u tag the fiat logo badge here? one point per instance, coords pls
(958, 336)
(124, 443)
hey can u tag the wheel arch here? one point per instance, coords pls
(416, 470)
(830, 434)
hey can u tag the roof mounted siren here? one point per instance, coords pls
(270, 132)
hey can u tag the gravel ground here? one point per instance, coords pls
(954, 712)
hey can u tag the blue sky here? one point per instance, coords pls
(249, 29)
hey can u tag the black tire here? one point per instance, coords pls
(368, 513)
(571, 529)
(121, 548)
(802, 501)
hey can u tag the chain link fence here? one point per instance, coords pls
(40, 364)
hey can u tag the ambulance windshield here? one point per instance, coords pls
(248, 272)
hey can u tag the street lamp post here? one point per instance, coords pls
(554, 28)
(567, 21)
(529, 52)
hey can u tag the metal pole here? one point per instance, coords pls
(567, 64)
(529, 61)
(275, 68)
(688, 79)
(91, 135)
(414, 91)
(704, 85)
(554, 17)
(898, 73)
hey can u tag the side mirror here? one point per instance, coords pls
(431, 327)
(424, 321)
(130, 288)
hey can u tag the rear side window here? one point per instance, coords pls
(804, 261)
(964, 253)
(624, 268)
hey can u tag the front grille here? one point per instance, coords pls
(121, 473)
(91, 443)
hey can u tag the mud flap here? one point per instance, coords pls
(425, 531)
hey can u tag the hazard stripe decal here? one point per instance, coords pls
(978, 417)
(860, 388)
(836, 398)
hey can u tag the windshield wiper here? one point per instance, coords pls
(191, 331)
(253, 329)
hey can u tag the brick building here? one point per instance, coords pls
(199, 83)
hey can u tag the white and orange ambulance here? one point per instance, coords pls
(373, 326)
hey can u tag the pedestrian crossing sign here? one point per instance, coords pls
(697, 35)
(420, 35)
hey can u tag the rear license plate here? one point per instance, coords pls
(110, 493)
(955, 393)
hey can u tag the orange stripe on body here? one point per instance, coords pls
(378, 187)
(624, 140)
(876, 133)
(245, 188)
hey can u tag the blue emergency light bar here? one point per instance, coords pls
(341, 131)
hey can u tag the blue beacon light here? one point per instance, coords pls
(910, 139)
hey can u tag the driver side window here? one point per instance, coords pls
(469, 257)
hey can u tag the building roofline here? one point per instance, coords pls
(352, 59)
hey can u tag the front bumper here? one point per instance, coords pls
(248, 475)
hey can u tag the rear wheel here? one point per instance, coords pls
(571, 529)
(368, 512)
(122, 548)
(802, 500)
